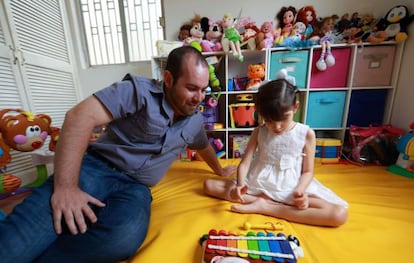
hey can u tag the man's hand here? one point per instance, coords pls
(228, 171)
(72, 204)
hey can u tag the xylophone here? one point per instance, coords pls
(253, 247)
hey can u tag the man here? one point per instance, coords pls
(96, 206)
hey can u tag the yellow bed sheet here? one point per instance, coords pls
(380, 227)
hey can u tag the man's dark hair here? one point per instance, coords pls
(178, 57)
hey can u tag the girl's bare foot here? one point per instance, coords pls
(256, 207)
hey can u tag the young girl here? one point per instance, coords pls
(277, 180)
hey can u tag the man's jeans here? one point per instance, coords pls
(27, 235)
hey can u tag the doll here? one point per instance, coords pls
(286, 19)
(264, 38)
(326, 38)
(184, 32)
(307, 15)
(231, 37)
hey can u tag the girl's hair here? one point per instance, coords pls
(179, 56)
(275, 98)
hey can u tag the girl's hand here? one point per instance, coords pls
(301, 200)
(237, 192)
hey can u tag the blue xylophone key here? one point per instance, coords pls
(264, 246)
(275, 247)
(286, 248)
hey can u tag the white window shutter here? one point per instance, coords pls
(36, 73)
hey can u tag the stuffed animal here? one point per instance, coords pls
(256, 74)
(249, 35)
(395, 23)
(213, 36)
(231, 38)
(264, 38)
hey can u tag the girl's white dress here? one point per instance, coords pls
(276, 169)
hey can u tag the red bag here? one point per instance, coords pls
(374, 144)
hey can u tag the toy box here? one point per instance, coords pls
(325, 109)
(328, 150)
(243, 115)
(238, 144)
(295, 62)
(367, 107)
(374, 66)
(332, 77)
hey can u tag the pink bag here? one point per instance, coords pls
(374, 144)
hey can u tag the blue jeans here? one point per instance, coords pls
(27, 234)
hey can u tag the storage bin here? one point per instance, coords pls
(335, 76)
(325, 109)
(367, 107)
(374, 66)
(243, 115)
(295, 62)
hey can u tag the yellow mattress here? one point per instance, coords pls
(380, 226)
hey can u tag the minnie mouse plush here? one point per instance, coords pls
(213, 36)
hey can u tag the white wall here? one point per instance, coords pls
(179, 11)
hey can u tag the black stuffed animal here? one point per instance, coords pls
(395, 23)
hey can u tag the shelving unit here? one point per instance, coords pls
(359, 89)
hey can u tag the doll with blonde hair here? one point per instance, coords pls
(231, 37)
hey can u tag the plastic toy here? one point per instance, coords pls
(405, 162)
(265, 226)
(395, 23)
(223, 246)
(231, 38)
(25, 132)
(256, 74)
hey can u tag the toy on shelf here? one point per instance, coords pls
(265, 37)
(395, 23)
(405, 162)
(326, 39)
(249, 34)
(231, 38)
(23, 131)
(256, 73)
(307, 15)
(226, 246)
(286, 19)
(243, 113)
(212, 35)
